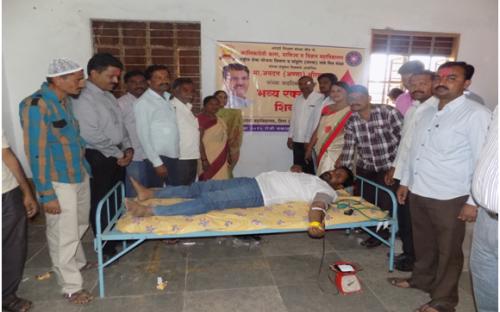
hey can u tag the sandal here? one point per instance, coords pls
(15, 304)
(422, 308)
(79, 297)
(400, 282)
(433, 307)
(428, 308)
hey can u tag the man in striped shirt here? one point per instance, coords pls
(56, 154)
(374, 131)
(484, 251)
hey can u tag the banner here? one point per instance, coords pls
(261, 78)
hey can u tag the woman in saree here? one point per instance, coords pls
(214, 148)
(328, 138)
(234, 122)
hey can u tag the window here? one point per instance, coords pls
(390, 49)
(139, 44)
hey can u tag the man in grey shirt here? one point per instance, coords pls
(108, 147)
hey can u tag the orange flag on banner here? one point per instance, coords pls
(347, 78)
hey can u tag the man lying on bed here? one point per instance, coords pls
(266, 189)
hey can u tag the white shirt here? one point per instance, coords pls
(9, 182)
(189, 132)
(313, 122)
(156, 125)
(485, 181)
(281, 187)
(407, 134)
(300, 130)
(126, 104)
(445, 148)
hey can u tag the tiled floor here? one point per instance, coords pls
(215, 274)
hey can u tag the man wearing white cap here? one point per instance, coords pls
(55, 151)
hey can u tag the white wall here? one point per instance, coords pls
(34, 32)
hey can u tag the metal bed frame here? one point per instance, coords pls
(132, 240)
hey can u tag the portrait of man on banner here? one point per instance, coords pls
(261, 79)
(236, 78)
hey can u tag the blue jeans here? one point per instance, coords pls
(211, 195)
(484, 261)
(144, 173)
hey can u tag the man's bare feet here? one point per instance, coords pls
(138, 210)
(143, 193)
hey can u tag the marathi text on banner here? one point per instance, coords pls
(261, 78)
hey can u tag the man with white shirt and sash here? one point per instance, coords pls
(484, 251)
(443, 155)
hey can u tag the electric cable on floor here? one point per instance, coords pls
(321, 263)
(321, 267)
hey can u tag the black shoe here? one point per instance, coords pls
(402, 257)
(371, 242)
(256, 238)
(404, 264)
(108, 255)
(399, 257)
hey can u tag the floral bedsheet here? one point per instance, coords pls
(293, 215)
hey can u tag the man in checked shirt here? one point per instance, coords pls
(55, 152)
(374, 131)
